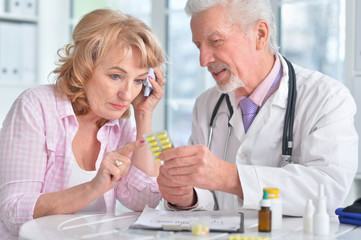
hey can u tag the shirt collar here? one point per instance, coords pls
(64, 107)
(259, 94)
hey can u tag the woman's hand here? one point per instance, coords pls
(114, 166)
(143, 111)
(146, 105)
(73, 199)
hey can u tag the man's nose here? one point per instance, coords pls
(206, 56)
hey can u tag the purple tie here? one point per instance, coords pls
(249, 111)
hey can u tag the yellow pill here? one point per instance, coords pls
(157, 159)
(164, 140)
(150, 138)
(162, 135)
(156, 154)
(166, 146)
(235, 237)
(155, 148)
(152, 143)
(200, 230)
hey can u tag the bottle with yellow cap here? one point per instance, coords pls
(276, 207)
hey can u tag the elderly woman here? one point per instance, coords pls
(71, 146)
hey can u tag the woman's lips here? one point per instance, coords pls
(120, 107)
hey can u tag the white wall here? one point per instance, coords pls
(53, 33)
(159, 26)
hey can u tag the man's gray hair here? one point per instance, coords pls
(245, 13)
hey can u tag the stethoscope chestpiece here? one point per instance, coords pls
(286, 159)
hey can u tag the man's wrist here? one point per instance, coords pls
(193, 205)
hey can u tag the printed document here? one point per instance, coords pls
(223, 221)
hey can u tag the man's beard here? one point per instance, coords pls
(230, 84)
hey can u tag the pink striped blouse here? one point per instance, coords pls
(36, 157)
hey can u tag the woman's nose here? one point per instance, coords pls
(124, 91)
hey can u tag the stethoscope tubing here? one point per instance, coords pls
(214, 117)
(287, 139)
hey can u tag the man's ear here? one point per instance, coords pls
(262, 32)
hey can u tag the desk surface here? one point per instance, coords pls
(100, 226)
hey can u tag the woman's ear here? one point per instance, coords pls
(262, 32)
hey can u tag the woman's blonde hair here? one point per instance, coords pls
(93, 36)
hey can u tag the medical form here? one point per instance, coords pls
(219, 221)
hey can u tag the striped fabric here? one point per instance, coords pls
(36, 157)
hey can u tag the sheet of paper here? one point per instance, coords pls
(225, 221)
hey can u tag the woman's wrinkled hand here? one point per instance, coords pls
(142, 104)
(114, 166)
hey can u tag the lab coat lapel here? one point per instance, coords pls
(236, 120)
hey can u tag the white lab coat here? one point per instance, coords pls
(325, 144)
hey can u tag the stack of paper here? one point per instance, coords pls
(221, 221)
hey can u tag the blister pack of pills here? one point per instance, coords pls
(157, 142)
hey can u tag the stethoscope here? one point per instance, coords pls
(287, 138)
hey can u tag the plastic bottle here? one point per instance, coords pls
(321, 220)
(276, 207)
(308, 217)
(265, 214)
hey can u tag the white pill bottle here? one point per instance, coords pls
(276, 207)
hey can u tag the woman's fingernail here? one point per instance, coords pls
(142, 141)
(119, 179)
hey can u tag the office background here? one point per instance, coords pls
(324, 35)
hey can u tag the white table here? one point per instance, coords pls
(100, 226)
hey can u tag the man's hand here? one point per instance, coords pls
(176, 194)
(195, 166)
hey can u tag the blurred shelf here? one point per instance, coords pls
(18, 18)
